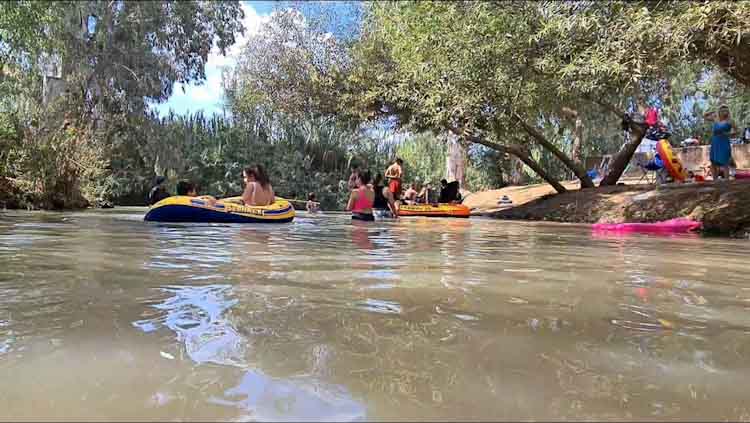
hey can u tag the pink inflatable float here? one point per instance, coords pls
(678, 225)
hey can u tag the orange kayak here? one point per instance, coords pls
(434, 210)
(671, 162)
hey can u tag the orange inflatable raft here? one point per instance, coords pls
(434, 210)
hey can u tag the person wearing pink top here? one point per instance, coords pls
(362, 198)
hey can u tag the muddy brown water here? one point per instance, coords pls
(106, 317)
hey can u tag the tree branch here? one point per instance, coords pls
(604, 104)
(544, 142)
(525, 158)
(130, 70)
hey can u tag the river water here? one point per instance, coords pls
(104, 316)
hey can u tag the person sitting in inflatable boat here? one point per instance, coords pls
(258, 189)
(449, 192)
(187, 188)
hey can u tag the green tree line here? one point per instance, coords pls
(538, 84)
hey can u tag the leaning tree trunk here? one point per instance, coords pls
(546, 144)
(575, 154)
(516, 171)
(637, 133)
(622, 158)
(525, 158)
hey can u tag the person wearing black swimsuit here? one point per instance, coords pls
(384, 205)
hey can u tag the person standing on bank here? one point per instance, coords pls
(721, 148)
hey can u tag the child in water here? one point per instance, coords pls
(312, 205)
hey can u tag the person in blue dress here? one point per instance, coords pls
(721, 148)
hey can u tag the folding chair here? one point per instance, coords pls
(604, 164)
(641, 160)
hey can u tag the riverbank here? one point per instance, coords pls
(20, 194)
(723, 207)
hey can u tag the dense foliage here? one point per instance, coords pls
(542, 84)
(75, 78)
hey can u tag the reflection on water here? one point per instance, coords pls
(196, 315)
(104, 316)
(297, 399)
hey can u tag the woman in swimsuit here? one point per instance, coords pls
(362, 198)
(258, 189)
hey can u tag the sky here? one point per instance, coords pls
(207, 97)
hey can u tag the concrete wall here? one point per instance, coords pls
(695, 157)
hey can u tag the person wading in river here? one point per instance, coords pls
(352, 183)
(362, 198)
(158, 192)
(383, 206)
(312, 206)
(395, 174)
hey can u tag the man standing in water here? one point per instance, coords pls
(395, 174)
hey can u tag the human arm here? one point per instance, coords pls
(248, 196)
(352, 199)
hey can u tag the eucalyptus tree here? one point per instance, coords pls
(111, 59)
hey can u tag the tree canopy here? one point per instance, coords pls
(545, 82)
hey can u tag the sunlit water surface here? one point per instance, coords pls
(104, 316)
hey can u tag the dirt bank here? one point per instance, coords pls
(484, 202)
(723, 207)
(19, 194)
